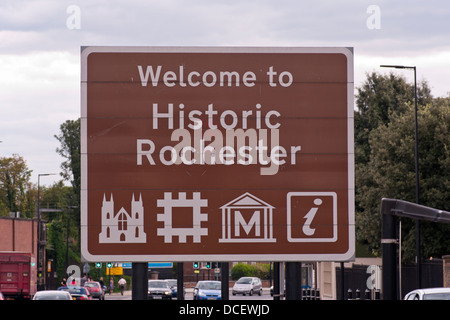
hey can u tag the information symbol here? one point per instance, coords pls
(309, 218)
(312, 217)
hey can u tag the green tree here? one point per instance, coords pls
(15, 186)
(247, 270)
(60, 196)
(56, 246)
(377, 100)
(69, 138)
(391, 169)
(57, 196)
(242, 270)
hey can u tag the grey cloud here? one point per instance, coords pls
(405, 25)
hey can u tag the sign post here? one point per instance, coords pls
(189, 153)
(139, 285)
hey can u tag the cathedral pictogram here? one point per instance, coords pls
(122, 226)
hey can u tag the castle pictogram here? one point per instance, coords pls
(196, 232)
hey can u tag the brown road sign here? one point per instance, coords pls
(217, 154)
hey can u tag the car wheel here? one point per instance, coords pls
(251, 292)
(260, 292)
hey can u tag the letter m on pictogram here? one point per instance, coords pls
(247, 219)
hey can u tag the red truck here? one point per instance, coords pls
(17, 275)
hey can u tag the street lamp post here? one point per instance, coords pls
(416, 166)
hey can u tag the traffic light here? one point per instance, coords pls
(195, 265)
(98, 265)
(109, 265)
(208, 265)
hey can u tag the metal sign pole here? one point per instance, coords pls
(225, 281)
(180, 280)
(276, 281)
(293, 281)
(139, 285)
(390, 209)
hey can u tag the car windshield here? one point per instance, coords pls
(51, 296)
(158, 284)
(172, 283)
(437, 296)
(74, 290)
(91, 285)
(209, 285)
(244, 281)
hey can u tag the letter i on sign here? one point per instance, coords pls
(307, 229)
(311, 216)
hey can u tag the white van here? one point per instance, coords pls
(247, 285)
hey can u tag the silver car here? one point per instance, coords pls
(247, 285)
(52, 295)
(159, 290)
(429, 294)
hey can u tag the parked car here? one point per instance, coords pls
(159, 289)
(208, 290)
(52, 295)
(78, 293)
(173, 285)
(429, 294)
(247, 285)
(95, 289)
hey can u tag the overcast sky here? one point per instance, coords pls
(40, 48)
